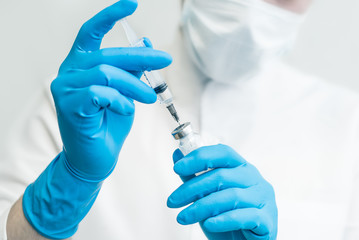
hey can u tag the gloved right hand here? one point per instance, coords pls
(232, 201)
(93, 94)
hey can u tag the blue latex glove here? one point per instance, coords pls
(93, 95)
(232, 201)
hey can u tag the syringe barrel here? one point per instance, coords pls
(160, 86)
(165, 97)
(156, 81)
(154, 78)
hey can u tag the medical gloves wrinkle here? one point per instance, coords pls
(93, 94)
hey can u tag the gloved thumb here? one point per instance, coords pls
(178, 155)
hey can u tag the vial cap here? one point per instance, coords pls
(182, 131)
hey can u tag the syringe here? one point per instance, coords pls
(153, 77)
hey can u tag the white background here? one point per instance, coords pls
(36, 35)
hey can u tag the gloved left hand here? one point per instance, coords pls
(231, 201)
(93, 94)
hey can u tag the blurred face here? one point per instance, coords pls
(232, 39)
(297, 6)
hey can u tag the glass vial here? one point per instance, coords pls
(189, 140)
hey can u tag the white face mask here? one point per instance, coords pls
(229, 39)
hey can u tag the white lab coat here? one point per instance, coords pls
(300, 132)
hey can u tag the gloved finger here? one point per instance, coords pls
(252, 219)
(209, 157)
(91, 33)
(130, 59)
(100, 97)
(210, 182)
(107, 75)
(147, 43)
(137, 74)
(217, 203)
(177, 155)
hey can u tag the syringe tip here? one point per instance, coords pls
(176, 117)
(171, 108)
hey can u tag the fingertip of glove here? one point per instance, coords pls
(177, 168)
(147, 42)
(151, 97)
(168, 58)
(170, 203)
(163, 59)
(177, 155)
(130, 5)
(129, 111)
(181, 219)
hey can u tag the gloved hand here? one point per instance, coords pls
(93, 94)
(232, 201)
